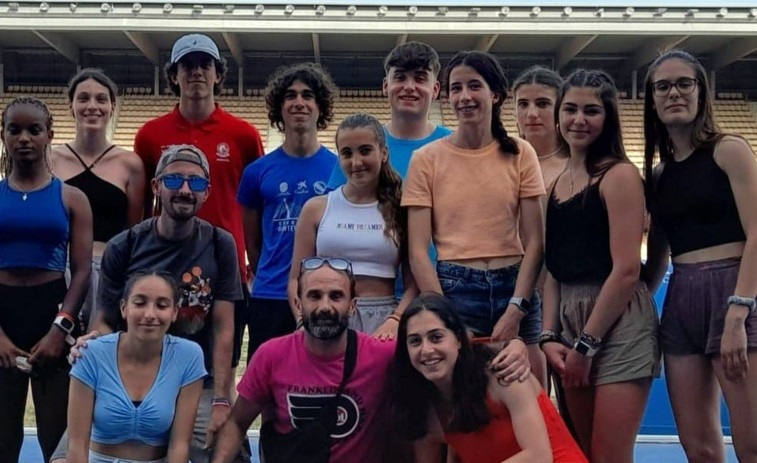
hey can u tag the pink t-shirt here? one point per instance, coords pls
(284, 374)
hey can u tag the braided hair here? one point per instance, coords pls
(489, 68)
(6, 165)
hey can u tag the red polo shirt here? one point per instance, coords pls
(229, 143)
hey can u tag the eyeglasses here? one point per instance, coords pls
(685, 85)
(176, 181)
(336, 263)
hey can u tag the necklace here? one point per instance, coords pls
(547, 156)
(30, 190)
(570, 176)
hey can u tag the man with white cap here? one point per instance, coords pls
(202, 259)
(195, 73)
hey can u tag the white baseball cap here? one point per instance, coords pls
(191, 43)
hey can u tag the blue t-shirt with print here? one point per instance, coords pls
(400, 152)
(277, 186)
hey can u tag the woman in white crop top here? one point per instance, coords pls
(362, 222)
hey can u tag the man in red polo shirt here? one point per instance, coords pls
(196, 73)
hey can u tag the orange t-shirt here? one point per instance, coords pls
(474, 196)
(496, 441)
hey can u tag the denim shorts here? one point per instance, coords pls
(482, 296)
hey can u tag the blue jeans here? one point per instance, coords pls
(481, 297)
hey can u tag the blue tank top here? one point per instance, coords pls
(34, 227)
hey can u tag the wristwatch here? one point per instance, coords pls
(747, 302)
(523, 304)
(67, 326)
(587, 345)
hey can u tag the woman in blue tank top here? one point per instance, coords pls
(134, 394)
(703, 200)
(362, 222)
(112, 177)
(41, 220)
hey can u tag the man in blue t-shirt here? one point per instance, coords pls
(411, 85)
(275, 187)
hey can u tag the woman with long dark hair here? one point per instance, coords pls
(446, 393)
(470, 192)
(364, 223)
(600, 322)
(43, 224)
(535, 94)
(111, 177)
(134, 394)
(703, 200)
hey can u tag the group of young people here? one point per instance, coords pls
(432, 243)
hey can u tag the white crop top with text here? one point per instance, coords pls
(356, 232)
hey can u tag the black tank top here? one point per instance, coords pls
(695, 204)
(109, 203)
(578, 237)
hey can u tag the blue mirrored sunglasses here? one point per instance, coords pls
(337, 263)
(176, 181)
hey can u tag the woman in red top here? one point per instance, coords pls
(449, 395)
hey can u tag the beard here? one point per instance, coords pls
(325, 325)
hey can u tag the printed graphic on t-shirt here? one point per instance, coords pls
(195, 298)
(304, 408)
(290, 203)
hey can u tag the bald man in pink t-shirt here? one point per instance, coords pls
(299, 372)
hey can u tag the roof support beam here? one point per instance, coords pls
(61, 44)
(317, 48)
(401, 39)
(232, 41)
(733, 51)
(145, 45)
(654, 47)
(572, 48)
(486, 42)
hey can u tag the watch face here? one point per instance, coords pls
(66, 324)
(582, 348)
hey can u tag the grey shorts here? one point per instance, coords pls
(630, 349)
(371, 312)
(197, 454)
(695, 307)
(95, 457)
(89, 306)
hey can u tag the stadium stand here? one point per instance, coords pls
(137, 107)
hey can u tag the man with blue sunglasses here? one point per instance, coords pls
(203, 259)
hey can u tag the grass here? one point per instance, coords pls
(31, 421)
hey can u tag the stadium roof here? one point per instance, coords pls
(565, 31)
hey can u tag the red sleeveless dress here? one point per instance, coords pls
(496, 441)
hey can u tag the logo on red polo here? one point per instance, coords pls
(223, 152)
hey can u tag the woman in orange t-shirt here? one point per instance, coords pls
(449, 396)
(469, 192)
